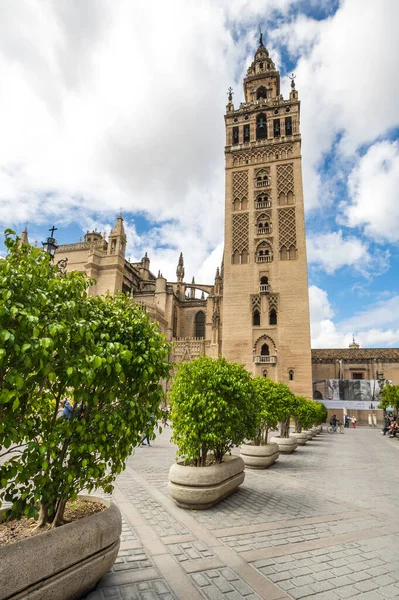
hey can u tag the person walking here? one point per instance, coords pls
(354, 421)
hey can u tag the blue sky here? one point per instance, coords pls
(113, 105)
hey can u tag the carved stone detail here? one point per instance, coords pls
(256, 303)
(286, 228)
(240, 232)
(240, 185)
(273, 302)
(185, 349)
(285, 179)
(261, 155)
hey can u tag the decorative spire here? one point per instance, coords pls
(193, 280)
(118, 229)
(23, 240)
(180, 268)
(260, 37)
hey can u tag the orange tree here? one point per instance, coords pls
(213, 409)
(57, 341)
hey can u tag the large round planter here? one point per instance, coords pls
(309, 433)
(315, 430)
(63, 563)
(259, 457)
(202, 487)
(301, 438)
(286, 445)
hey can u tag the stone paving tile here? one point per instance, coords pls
(131, 559)
(155, 514)
(297, 533)
(189, 551)
(356, 578)
(252, 504)
(146, 590)
(127, 532)
(222, 584)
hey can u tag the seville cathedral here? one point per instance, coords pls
(256, 312)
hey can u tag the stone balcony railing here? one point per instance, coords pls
(263, 230)
(263, 258)
(261, 359)
(263, 204)
(264, 288)
(262, 183)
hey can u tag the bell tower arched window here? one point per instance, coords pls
(261, 127)
(273, 317)
(256, 318)
(291, 375)
(200, 324)
(264, 351)
(261, 92)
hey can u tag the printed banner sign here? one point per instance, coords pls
(353, 394)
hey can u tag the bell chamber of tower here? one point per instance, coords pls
(265, 304)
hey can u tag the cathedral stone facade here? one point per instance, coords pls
(256, 312)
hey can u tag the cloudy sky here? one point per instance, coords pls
(109, 105)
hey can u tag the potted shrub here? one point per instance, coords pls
(321, 415)
(105, 355)
(286, 401)
(213, 410)
(304, 415)
(260, 453)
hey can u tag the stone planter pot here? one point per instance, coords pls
(259, 457)
(202, 487)
(301, 438)
(309, 433)
(315, 430)
(63, 563)
(286, 445)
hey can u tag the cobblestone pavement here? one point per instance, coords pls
(319, 524)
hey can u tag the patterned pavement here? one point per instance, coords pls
(320, 524)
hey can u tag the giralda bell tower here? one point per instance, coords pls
(265, 300)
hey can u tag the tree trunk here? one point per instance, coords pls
(43, 517)
(59, 515)
(285, 429)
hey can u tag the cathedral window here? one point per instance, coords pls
(261, 127)
(235, 135)
(236, 258)
(264, 373)
(244, 257)
(288, 125)
(200, 324)
(262, 201)
(256, 318)
(264, 253)
(264, 351)
(247, 134)
(276, 128)
(262, 179)
(291, 375)
(261, 93)
(273, 317)
(264, 287)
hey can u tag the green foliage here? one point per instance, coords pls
(321, 413)
(274, 404)
(305, 413)
(213, 408)
(56, 341)
(390, 397)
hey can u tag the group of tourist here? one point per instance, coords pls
(391, 427)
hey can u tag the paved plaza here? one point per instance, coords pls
(320, 523)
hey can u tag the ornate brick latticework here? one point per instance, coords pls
(240, 232)
(240, 185)
(256, 303)
(261, 155)
(185, 349)
(286, 228)
(285, 179)
(273, 302)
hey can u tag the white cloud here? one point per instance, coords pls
(331, 251)
(378, 325)
(346, 82)
(373, 186)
